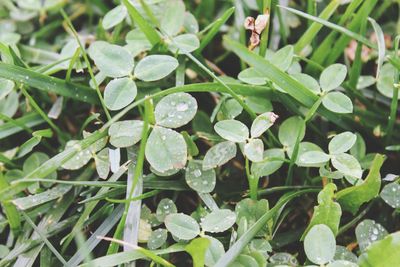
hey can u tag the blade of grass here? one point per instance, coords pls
(395, 98)
(381, 45)
(48, 83)
(93, 241)
(88, 65)
(44, 238)
(265, 9)
(13, 217)
(151, 34)
(239, 245)
(315, 27)
(216, 26)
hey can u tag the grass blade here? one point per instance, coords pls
(381, 45)
(48, 83)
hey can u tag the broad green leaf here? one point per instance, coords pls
(197, 248)
(320, 244)
(182, 226)
(244, 260)
(202, 181)
(368, 232)
(165, 207)
(347, 164)
(219, 154)
(358, 150)
(96, 146)
(166, 149)
(173, 17)
(390, 194)
(252, 76)
(289, 130)
(282, 58)
(157, 238)
(119, 93)
(184, 43)
(190, 23)
(114, 17)
(137, 42)
(308, 82)
(254, 150)
(230, 109)
(328, 212)
(337, 102)
(313, 158)
(283, 259)
(79, 160)
(125, 133)
(342, 253)
(304, 147)
(342, 143)
(382, 253)
(258, 104)
(232, 130)
(9, 104)
(6, 86)
(332, 77)
(155, 67)
(175, 110)
(214, 251)
(385, 81)
(262, 123)
(113, 60)
(252, 210)
(272, 161)
(214, 223)
(342, 263)
(102, 161)
(352, 198)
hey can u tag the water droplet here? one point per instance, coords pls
(171, 115)
(375, 231)
(197, 173)
(163, 137)
(182, 107)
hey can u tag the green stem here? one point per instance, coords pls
(253, 181)
(88, 65)
(394, 104)
(266, 9)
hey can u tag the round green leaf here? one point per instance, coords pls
(272, 161)
(258, 104)
(173, 15)
(214, 251)
(308, 81)
(114, 17)
(155, 67)
(175, 110)
(79, 160)
(6, 86)
(166, 149)
(385, 81)
(218, 221)
(290, 129)
(252, 76)
(342, 263)
(254, 150)
(283, 57)
(320, 244)
(190, 23)
(165, 207)
(202, 181)
(185, 43)
(332, 77)
(182, 226)
(347, 164)
(219, 155)
(113, 60)
(157, 238)
(390, 194)
(368, 232)
(229, 110)
(313, 158)
(342, 253)
(262, 123)
(338, 102)
(244, 260)
(102, 161)
(232, 130)
(125, 133)
(342, 143)
(119, 93)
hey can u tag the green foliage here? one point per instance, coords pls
(141, 129)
